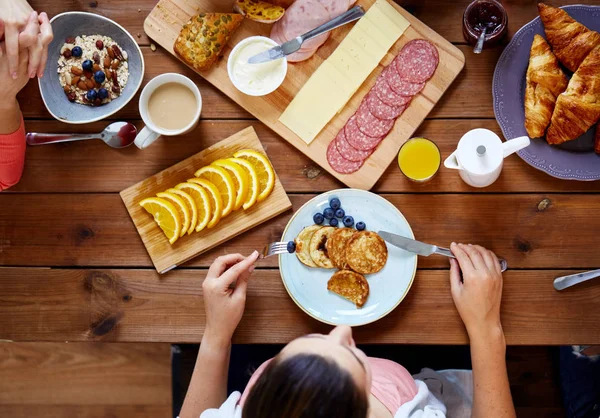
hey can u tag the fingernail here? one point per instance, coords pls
(32, 74)
(41, 75)
(452, 244)
(251, 268)
(254, 254)
(14, 75)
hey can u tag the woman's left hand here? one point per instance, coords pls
(225, 294)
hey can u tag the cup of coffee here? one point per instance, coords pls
(170, 105)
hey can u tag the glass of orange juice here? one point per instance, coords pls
(419, 159)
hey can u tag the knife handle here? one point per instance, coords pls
(567, 281)
(448, 253)
(350, 16)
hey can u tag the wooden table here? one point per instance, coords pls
(75, 269)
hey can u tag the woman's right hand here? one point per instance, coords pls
(478, 294)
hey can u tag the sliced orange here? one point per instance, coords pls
(222, 179)
(182, 209)
(165, 215)
(264, 169)
(240, 180)
(202, 200)
(253, 185)
(192, 207)
(216, 202)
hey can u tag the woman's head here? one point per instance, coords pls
(314, 376)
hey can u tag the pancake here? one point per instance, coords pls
(366, 252)
(303, 245)
(336, 247)
(350, 285)
(318, 247)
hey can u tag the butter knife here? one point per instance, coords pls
(562, 283)
(420, 248)
(294, 45)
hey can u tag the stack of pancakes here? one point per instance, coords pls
(354, 253)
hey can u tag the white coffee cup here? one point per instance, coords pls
(151, 132)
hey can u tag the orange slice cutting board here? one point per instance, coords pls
(168, 17)
(166, 256)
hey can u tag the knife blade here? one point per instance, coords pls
(421, 248)
(414, 246)
(294, 45)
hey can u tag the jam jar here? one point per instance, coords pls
(482, 14)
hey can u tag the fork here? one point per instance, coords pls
(274, 248)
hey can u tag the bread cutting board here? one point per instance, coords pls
(166, 256)
(167, 18)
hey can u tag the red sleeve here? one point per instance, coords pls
(12, 157)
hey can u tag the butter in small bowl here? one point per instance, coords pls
(255, 79)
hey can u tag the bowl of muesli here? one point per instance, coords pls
(94, 68)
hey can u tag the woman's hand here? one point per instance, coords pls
(477, 296)
(225, 295)
(12, 85)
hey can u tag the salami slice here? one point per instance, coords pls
(379, 109)
(386, 94)
(400, 86)
(357, 139)
(371, 125)
(347, 150)
(417, 61)
(339, 163)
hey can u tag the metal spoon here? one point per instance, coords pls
(116, 135)
(479, 45)
(568, 281)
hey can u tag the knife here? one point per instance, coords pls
(562, 283)
(420, 248)
(294, 45)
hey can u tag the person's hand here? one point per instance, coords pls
(23, 31)
(478, 294)
(225, 294)
(11, 86)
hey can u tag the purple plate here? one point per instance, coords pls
(574, 160)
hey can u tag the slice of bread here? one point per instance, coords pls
(350, 285)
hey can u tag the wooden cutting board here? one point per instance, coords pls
(166, 256)
(167, 18)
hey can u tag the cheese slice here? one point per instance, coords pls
(336, 80)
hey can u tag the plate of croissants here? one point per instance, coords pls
(547, 85)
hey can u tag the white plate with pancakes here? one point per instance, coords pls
(307, 286)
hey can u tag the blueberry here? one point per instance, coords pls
(76, 51)
(335, 203)
(360, 226)
(333, 222)
(91, 95)
(348, 221)
(291, 247)
(339, 213)
(328, 213)
(102, 93)
(99, 77)
(87, 65)
(318, 218)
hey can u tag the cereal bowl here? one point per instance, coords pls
(76, 25)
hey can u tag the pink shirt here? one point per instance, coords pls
(392, 385)
(12, 157)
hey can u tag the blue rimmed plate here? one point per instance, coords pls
(308, 286)
(574, 160)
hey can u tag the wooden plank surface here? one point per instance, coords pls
(448, 24)
(469, 96)
(98, 168)
(166, 256)
(95, 230)
(140, 305)
(87, 380)
(168, 17)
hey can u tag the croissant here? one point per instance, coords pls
(578, 108)
(545, 81)
(570, 40)
(597, 139)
